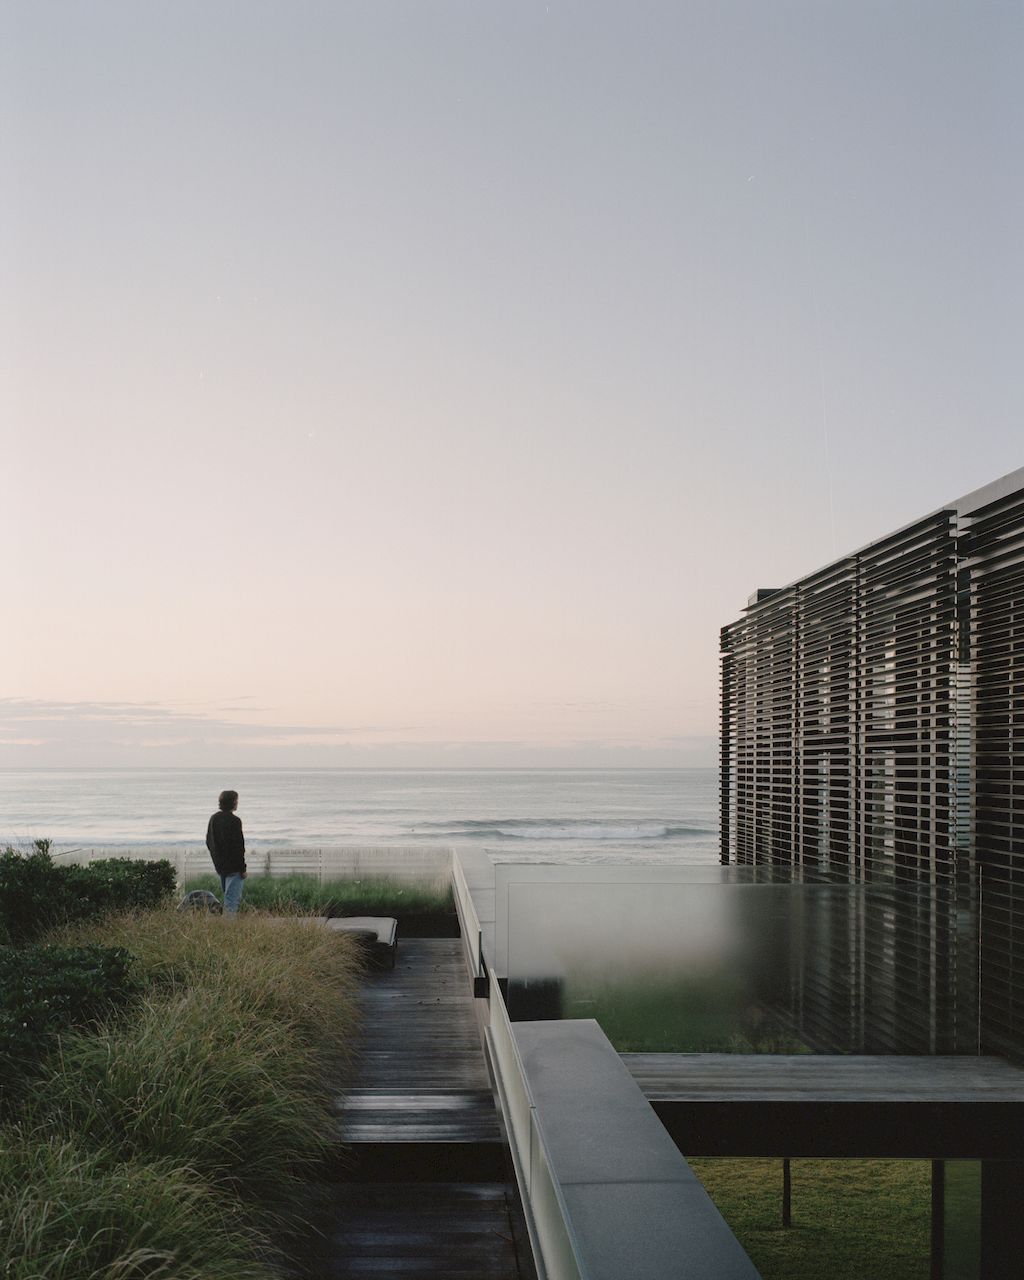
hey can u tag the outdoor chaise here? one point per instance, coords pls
(379, 932)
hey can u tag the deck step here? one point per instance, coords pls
(424, 1177)
(424, 1232)
(372, 1115)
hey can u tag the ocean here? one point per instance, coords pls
(531, 815)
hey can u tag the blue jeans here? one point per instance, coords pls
(231, 886)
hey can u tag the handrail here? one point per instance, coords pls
(548, 1222)
(469, 922)
(552, 1239)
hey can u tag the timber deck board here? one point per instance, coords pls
(422, 1091)
(820, 1078)
(424, 1231)
(421, 1075)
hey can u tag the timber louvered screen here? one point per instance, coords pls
(841, 697)
(839, 716)
(908, 681)
(995, 548)
(758, 715)
(873, 737)
(825, 747)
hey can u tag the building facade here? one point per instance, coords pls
(873, 738)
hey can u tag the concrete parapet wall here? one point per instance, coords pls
(634, 1207)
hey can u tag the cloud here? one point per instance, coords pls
(580, 705)
(21, 709)
(148, 724)
(39, 733)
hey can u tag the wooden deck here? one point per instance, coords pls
(428, 1195)
(723, 1104)
(735, 1077)
(421, 1076)
(425, 1231)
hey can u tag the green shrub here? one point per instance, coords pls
(123, 884)
(36, 894)
(67, 1213)
(33, 895)
(47, 990)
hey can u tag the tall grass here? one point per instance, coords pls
(193, 1080)
(281, 971)
(367, 896)
(208, 1106)
(68, 1212)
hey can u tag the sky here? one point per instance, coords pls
(426, 383)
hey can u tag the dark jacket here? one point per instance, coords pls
(226, 843)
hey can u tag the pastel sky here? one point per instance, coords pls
(426, 383)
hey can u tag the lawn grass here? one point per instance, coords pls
(852, 1219)
(367, 896)
(678, 1013)
(185, 1137)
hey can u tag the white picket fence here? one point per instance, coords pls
(413, 864)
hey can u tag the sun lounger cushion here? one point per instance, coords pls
(381, 931)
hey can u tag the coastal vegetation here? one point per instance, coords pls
(37, 894)
(45, 991)
(184, 1071)
(367, 896)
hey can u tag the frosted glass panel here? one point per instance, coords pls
(690, 966)
(662, 967)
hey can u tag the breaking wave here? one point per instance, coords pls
(620, 829)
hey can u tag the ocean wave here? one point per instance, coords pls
(621, 829)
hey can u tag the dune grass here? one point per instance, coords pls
(283, 970)
(868, 1219)
(367, 896)
(205, 1109)
(190, 1080)
(71, 1212)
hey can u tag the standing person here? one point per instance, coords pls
(226, 844)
